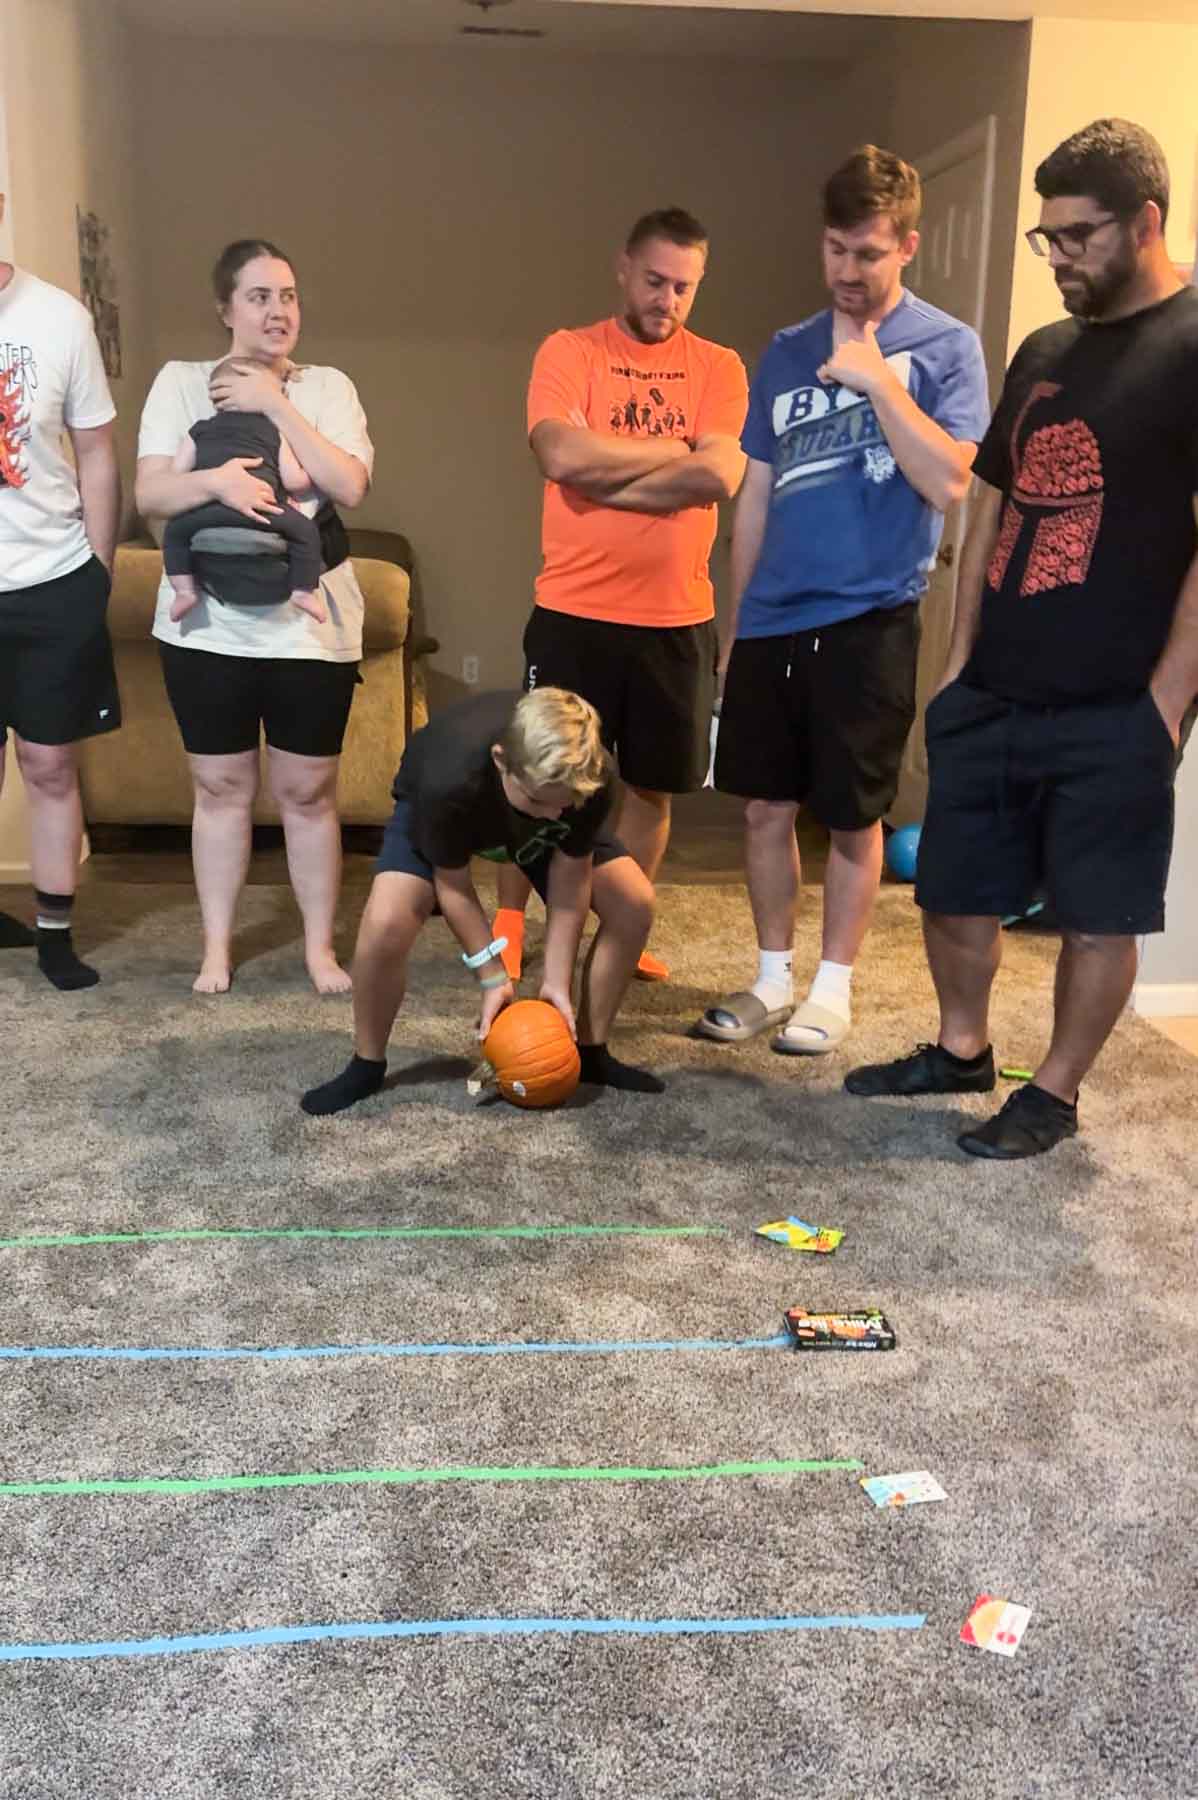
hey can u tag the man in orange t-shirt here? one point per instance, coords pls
(635, 423)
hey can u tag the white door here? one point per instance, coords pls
(950, 272)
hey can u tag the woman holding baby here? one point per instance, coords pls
(233, 670)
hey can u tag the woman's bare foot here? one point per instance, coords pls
(214, 977)
(187, 595)
(312, 604)
(328, 977)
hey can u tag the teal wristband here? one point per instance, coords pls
(481, 956)
(494, 981)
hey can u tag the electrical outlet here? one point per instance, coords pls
(470, 670)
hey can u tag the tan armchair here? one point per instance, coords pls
(139, 775)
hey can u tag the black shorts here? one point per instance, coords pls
(1072, 802)
(652, 686)
(223, 702)
(57, 679)
(398, 855)
(821, 717)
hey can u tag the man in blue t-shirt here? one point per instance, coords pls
(862, 428)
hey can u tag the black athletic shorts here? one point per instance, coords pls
(821, 717)
(398, 855)
(57, 680)
(1074, 802)
(222, 702)
(652, 686)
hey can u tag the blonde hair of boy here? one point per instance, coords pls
(553, 740)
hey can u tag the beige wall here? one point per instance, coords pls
(445, 210)
(928, 81)
(1144, 72)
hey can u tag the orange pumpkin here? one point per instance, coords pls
(533, 1055)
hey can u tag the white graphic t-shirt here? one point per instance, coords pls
(51, 376)
(329, 402)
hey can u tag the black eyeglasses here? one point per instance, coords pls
(1070, 241)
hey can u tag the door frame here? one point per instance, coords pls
(981, 136)
(911, 798)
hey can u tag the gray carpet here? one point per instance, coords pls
(1044, 1373)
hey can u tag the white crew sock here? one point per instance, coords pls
(830, 989)
(832, 986)
(774, 985)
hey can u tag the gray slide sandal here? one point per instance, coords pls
(738, 1018)
(813, 1017)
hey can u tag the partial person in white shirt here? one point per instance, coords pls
(58, 528)
(280, 671)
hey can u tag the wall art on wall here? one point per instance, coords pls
(97, 287)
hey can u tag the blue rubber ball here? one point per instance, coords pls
(902, 848)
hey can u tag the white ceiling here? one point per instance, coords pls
(569, 25)
(758, 30)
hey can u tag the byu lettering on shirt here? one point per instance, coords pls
(846, 532)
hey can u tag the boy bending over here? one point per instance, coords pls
(515, 779)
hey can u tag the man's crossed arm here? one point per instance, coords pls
(637, 474)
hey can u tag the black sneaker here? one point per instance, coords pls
(928, 1070)
(1031, 1122)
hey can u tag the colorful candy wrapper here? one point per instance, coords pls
(903, 1490)
(995, 1625)
(796, 1234)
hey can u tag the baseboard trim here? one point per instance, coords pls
(13, 872)
(1166, 999)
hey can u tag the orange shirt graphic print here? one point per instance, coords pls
(1058, 483)
(13, 423)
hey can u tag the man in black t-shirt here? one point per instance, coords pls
(1054, 738)
(516, 779)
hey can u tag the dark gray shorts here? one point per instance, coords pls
(1074, 803)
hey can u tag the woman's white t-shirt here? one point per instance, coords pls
(51, 376)
(328, 400)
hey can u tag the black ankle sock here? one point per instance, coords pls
(967, 1062)
(359, 1078)
(600, 1068)
(57, 960)
(14, 935)
(1050, 1102)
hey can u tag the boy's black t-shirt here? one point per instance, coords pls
(1095, 447)
(458, 805)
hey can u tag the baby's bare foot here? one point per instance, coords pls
(185, 599)
(312, 604)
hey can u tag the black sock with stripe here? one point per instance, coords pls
(56, 956)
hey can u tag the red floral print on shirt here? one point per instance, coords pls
(1008, 537)
(1059, 477)
(11, 417)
